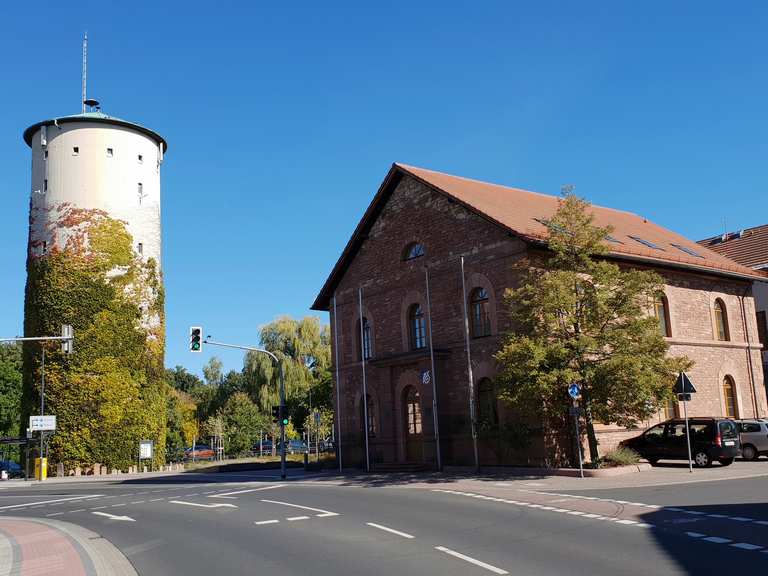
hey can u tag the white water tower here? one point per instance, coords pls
(94, 161)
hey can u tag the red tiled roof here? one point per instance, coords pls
(522, 212)
(748, 247)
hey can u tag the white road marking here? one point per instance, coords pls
(217, 505)
(97, 508)
(78, 510)
(229, 494)
(155, 499)
(393, 531)
(717, 540)
(323, 513)
(138, 502)
(695, 534)
(266, 522)
(294, 518)
(742, 519)
(47, 502)
(113, 517)
(55, 514)
(117, 505)
(471, 560)
(746, 546)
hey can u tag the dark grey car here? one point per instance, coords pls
(754, 438)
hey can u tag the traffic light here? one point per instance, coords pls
(284, 421)
(195, 339)
(275, 414)
(67, 346)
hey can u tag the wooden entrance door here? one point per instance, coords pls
(413, 433)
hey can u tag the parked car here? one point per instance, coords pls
(200, 452)
(13, 469)
(264, 448)
(754, 438)
(711, 439)
(294, 447)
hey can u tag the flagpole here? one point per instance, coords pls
(338, 381)
(365, 391)
(472, 418)
(434, 376)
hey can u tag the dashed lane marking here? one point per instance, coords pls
(70, 499)
(217, 505)
(471, 560)
(294, 518)
(322, 513)
(391, 530)
(266, 522)
(228, 494)
(653, 507)
(623, 521)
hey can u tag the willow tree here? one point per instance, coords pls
(111, 392)
(303, 348)
(578, 317)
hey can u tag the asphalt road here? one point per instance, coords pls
(242, 524)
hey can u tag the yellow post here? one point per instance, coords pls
(38, 470)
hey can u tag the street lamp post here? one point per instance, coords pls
(282, 391)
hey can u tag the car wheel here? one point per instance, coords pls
(726, 461)
(702, 459)
(749, 452)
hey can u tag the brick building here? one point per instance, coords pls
(431, 246)
(749, 247)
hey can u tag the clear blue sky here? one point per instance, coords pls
(283, 118)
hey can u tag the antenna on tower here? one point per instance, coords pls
(85, 68)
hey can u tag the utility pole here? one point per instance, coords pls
(279, 365)
(67, 340)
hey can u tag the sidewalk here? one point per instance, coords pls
(55, 548)
(662, 475)
(18, 483)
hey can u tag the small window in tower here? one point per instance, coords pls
(45, 247)
(110, 152)
(45, 185)
(75, 150)
(141, 248)
(45, 154)
(141, 159)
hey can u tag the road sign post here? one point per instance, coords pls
(574, 391)
(684, 388)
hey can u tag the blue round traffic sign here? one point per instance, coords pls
(574, 391)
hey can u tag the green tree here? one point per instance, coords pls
(303, 347)
(212, 372)
(579, 318)
(10, 389)
(242, 422)
(180, 379)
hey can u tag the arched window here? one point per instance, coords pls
(721, 321)
(372, 427)
(364, 340)
(661, 309)
(412, 411)
(479, 314)
(729, 396)
(417, 327)
(413, 250)
(487, 404)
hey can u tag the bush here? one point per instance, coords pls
(621, 456)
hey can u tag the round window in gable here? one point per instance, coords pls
(413, 250)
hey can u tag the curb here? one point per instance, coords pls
(568, 472)
(106, 559)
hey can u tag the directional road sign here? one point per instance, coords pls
(683, 385)
(38, 423)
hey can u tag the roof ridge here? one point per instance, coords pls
(409, 168)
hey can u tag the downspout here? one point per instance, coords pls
(749, 352)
